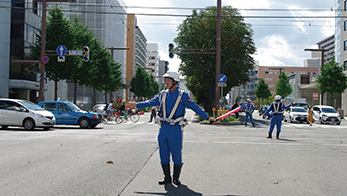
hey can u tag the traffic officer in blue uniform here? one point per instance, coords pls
(172, 104)
(249, 109)
(277, 109)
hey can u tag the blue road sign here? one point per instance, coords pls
(61, 50)
(222, 78)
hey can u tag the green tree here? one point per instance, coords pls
(262, 90)
(332, 80)
(198, 31)
(138, 83)
(283, 87)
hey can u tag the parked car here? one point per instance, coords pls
(263, 109)
(22, 113)
(326, 114)
(300, 104)
(99, 108)
(67, 113)
(295, 114)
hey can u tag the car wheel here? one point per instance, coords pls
(4, 126)
(337, 123)
(285, 119)
(29, 124)
(93, 126)
(84, 123)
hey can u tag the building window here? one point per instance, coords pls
(151, 57)
(345, 25)
(345, 6)
(345, 45)
(269, 79)
(345, 65)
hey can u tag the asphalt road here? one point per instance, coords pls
(218, 160)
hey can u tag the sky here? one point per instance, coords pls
(279, 41)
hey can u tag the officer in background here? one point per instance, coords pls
(277, 109)
(249, 109)
(172, 105)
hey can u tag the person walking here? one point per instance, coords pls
(153, 114)
(277, 109)
(172, 105)
(249, 109)
(310, 116)
(236, 105)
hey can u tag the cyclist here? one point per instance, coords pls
(109, 110)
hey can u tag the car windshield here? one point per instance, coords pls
(73, 107)
(298, 110)
(329, 110)
(31, 106)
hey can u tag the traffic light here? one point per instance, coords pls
(171, 50)
(85, 53)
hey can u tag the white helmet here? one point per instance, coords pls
(278, 97)
(248, 100)
(171, 74)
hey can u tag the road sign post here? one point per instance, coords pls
(222, 79)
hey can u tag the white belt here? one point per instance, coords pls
(171, 121)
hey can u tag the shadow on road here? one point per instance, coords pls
(172, 190)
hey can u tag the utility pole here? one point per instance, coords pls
(43, 43)
(218, 49)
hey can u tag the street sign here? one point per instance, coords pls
(61, 59)
(75, 52)
(222, 84)
(61, 50)
(45, 59)
(222, 78)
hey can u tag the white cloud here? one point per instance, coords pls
(275, 51)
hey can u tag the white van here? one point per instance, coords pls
(326, 114)
(22, 113)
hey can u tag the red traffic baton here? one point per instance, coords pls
(227, 114)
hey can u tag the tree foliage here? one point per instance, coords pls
(262, 90)
(332, 80)
(101, 72)
(198, 31)
(144, 84)
(283, 87)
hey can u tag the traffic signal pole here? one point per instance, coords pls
(218, 50)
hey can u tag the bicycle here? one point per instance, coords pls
(133, 115)
(115, 116)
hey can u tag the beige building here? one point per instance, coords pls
(270, 73)
(137, 53)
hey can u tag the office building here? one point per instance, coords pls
(5, 28)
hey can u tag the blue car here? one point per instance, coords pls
(67, 113)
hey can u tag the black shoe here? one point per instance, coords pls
(166, 171)
(278, 136)
(252, 124)
(177, 172)
(270, 136)
(245, 124)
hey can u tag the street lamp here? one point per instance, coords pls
(322, 65)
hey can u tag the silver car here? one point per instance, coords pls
(99, 108)
(22, 113)
(326, 114)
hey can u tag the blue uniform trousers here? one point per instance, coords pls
(250, 116)
(276, 120)
(170, 143)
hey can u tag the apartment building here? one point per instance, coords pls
(5, 30)
(270, 73)
(152, 59)
(136, 55)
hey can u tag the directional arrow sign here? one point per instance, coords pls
(61, 50)
(222, 78)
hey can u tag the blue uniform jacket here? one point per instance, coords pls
(248, 108)
(171, 97)
(281, 109)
